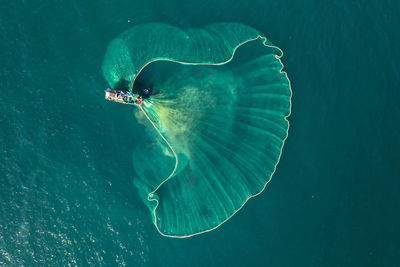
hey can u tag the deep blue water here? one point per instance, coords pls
(66, 191)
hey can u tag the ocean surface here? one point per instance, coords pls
(66, 177)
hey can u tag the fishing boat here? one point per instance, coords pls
(123, 97)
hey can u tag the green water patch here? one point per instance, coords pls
(216, 119)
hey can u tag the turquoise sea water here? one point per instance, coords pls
(66, 176)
